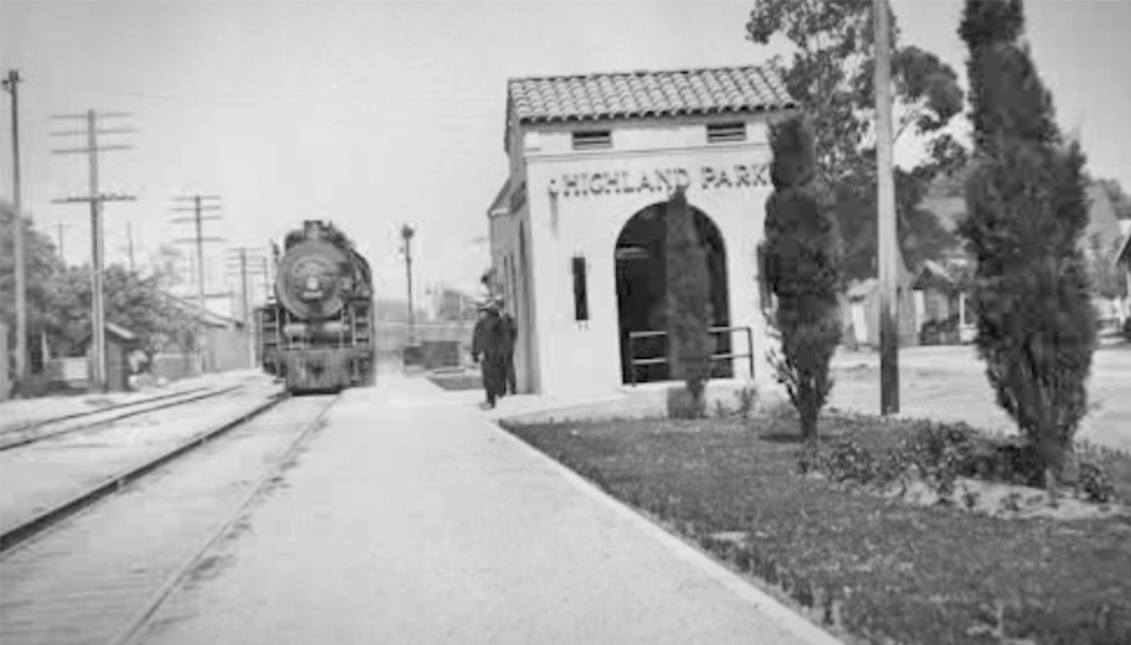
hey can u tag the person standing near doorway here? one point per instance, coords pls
(489, 340)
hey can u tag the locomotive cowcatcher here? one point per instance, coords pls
(317, 332)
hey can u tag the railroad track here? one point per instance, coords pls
(50, 428)
(95, 576)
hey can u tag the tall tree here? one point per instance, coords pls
(1027, 208)
(688, 301)
(134, 302)
(830, 75)
(802, 260)
(43, 263)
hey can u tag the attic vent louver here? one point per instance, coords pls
(592, 140)
(726, 132)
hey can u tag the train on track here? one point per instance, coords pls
(316, 334)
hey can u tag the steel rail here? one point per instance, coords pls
(41, 523)
(34, 438)
(35, 425)
(135, 627)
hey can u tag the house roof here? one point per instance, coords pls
(1124, 254)
(209, 317)
(593, 97)
(933, 275)
(121, 332)
(499, 205)
(114, 332)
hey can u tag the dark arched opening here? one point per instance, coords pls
(641, 277)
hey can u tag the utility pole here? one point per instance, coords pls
(266, 279)
(888, 246)
(12, 85)
(242, 254)
(406, 235)
(59, 227)
(198, 209)
(97, 242)
(130, 243)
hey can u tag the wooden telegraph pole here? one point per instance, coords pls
(97, 241)
(61, 226)
(245, 257)
(130, 245)
(888, 249)
(12, 85)
(198, 208)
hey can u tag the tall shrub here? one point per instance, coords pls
(802, 265)
(1027, 209)
(689, 305)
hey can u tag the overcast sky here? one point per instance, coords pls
(375, 114)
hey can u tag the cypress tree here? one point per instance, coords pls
(1026, 210)
(802, 259)
(689, 305)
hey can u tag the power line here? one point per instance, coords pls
(198, 209)
(60, 226)
(95, 199)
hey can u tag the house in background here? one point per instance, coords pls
(861, 316)
(1123, 261)
(1100, 241)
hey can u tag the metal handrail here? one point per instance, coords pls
(659, 360)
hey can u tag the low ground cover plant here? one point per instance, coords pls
(941, 453)
(878, 568)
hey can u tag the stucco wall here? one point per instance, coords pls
(560, 224)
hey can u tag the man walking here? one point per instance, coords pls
(489, 340)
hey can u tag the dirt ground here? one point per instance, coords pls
(948, 383)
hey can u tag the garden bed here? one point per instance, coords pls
(879, 567)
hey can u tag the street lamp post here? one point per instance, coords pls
(406, 235)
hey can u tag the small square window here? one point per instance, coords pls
(726, 132)
(592, 139)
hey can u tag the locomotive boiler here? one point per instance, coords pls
(317, 332)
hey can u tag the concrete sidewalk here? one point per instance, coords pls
(411, 518)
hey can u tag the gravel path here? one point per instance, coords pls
(411, 519)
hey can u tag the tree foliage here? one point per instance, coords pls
(59, 297)
(42, 265)
(134, 302)
(802, 259)
(1027, 208)
(688, 301)
(830, 75)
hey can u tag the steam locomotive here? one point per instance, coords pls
(317, 332)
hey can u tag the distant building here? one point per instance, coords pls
(577, 228)
(1100, 240)
(1123, 259)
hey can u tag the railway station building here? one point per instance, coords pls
(577, 234)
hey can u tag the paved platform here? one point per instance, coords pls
(411, 518)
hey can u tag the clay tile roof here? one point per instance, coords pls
(647, 94)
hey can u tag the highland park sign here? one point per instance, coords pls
(619, 182)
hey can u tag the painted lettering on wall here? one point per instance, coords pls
(659, 180)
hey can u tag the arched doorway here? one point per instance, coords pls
(641, 279)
